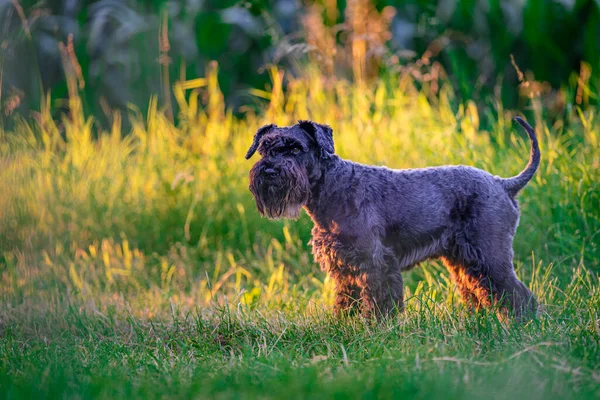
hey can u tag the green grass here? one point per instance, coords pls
(136, 265)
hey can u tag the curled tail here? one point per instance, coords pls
(515, 184)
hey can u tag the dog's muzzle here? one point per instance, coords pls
(280, 189)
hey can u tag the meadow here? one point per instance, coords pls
(134, 264)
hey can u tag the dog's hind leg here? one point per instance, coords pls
(479, 255)
(486, 285)
(465, 283)
(510, 294)
(495, 261)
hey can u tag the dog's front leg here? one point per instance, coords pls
(348, 295)
(382, 293)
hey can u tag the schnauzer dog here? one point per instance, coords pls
(371, 223)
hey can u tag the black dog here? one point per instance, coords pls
(372, 223)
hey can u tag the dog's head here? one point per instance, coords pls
(291, 164)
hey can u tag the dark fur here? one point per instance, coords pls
(371, 223)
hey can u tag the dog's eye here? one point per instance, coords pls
(296, 150)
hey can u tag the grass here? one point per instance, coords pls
(136, 264)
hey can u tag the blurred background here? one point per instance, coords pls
(123, 52)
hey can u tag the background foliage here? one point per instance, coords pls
(128, 50)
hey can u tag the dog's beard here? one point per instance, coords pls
(282, 196)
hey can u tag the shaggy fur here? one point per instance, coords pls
(371, 223)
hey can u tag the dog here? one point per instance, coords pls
(372, 223)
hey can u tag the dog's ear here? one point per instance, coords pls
(259, 134)
(322, 134)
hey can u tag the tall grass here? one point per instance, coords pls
(150, 240)
(180, 192)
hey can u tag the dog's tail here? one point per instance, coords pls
(515, 184)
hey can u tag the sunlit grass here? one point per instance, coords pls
(136, 263)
